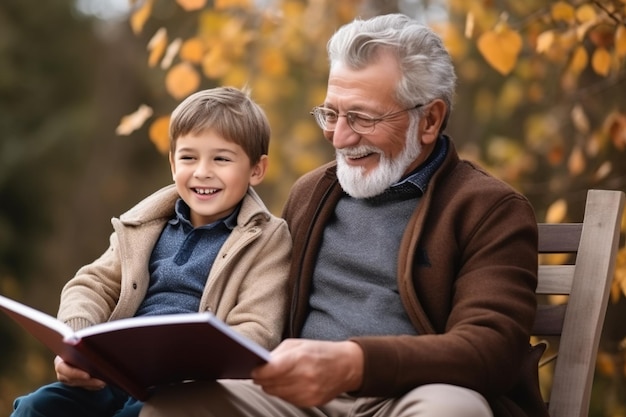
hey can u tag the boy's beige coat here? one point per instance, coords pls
(245, 288)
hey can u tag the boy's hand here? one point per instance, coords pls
(75, 377)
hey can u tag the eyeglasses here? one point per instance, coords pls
(359, 122)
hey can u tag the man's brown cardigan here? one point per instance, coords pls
(467, 272)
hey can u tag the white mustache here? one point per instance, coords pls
(358, 151)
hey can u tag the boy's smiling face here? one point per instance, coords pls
(212, 175)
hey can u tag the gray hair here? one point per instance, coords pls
(426, 66)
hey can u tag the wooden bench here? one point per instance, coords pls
(576, 325)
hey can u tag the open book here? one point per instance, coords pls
(138, 354)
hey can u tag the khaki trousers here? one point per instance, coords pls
(242, 398)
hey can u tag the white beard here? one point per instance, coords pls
(359, 184)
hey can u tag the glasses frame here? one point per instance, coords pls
(349, 115)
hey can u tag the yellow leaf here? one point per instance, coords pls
(235, 38)
(603, 171)
(545, 41)
(586, 13)
(576, 163)
(237, 76)
(133, 121)
(469, 25)
(226, 4)
(583, 28)
(562, 11)
(557, 211)
(189, 5)
(580, 119)
(511, 94)
(273, 62)
(157, 46)
(192, 50)
(601, 61)
(620, 41)
(159, 134)
(500, 48)
(139, 17)
(579, 61)
(170, 53)
(214, 63)
(606, 364)
(536, 92)
(182, 80)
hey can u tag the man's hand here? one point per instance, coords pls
(75, 377)
(307, 373)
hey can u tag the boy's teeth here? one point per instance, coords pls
(205, 191)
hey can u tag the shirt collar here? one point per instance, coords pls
(420, 177)
(183, 216)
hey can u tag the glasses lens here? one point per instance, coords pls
(361, 123)
(325, 118)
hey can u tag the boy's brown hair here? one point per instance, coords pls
(227, 111)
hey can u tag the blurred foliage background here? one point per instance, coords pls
(86, 87)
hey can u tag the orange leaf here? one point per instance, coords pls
(133, 121)
(500, 48)
(140, 16)
(182, 80)
(617, 130)
(192, 50)
(159, 134)
(576, 163)
(555, 155)
(190, 5)
(601, 61)
(620, 41)
(579, 61)
(157, 46)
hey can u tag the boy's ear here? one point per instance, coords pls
(172, 165)
(258, 171)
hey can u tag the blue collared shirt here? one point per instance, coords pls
(181, 261)
(421, 176)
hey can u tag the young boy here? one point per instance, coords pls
(205, 243)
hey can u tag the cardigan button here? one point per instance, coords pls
(134, 285)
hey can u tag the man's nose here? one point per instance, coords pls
(343, 136)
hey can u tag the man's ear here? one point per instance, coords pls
(432, 120)
(259, 170)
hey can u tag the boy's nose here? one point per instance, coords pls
(203, 170)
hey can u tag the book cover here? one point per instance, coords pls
(140, 353)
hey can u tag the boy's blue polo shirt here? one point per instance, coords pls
(181, 261)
